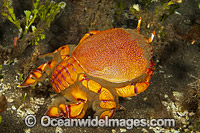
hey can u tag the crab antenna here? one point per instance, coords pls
(139, 23)
(152, 36)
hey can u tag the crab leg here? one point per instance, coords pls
(59, 54)
(35, 76)
(152, 36)
(138, 29)
(139, 24)
(74, 109)
(44, 70)
(135, 88)
(65, 74)
(106, 102)
(132, 90)
(88, 34)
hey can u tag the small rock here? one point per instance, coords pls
(166, 96)
(59, 130)
(10, 100)
(113, 131)
(136, 7)
(122, 130)
(145, 98)
(13, 107)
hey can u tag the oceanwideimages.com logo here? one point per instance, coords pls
(46, 121)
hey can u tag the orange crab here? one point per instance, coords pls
(104, 65)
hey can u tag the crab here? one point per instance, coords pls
(105, 65)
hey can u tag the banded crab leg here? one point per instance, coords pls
(136, 88)
(76, 108)
(44, 70)
(106, 103)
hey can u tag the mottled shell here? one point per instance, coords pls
(116, 55)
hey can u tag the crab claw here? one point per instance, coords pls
(108, 113)
(54, 112)
(34, 76)
(76, 110)
(28, 81)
